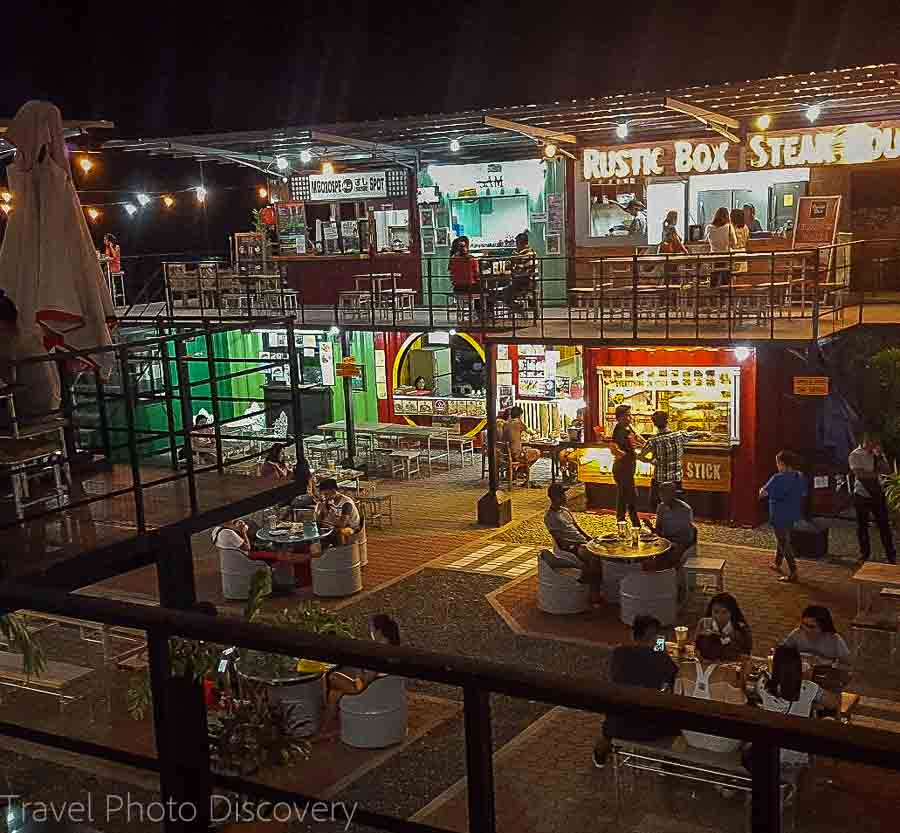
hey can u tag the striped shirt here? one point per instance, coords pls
(668, 452)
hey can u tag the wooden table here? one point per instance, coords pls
(874, 575)
(626, 552)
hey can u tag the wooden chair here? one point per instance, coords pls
(508, 467)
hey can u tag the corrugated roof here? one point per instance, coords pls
(847, 95)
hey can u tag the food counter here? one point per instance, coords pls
(319, 278)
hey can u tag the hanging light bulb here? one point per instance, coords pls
(168, 201)
(6, 196)
(131, 209)
(622, 130)
(305, 156)
(85, 164)
(94, 214)
(813, 112)
(455, 145)
(262, 192)
(5, 207)
(327, 168)
(201, 193)
(764, 121)
(142, 199)
(281, 163)
(550, 150)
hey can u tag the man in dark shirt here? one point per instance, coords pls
(624, 442)
(638, 665)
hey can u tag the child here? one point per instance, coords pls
(786, 492)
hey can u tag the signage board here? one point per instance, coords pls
(348, 368)
(664, 159)
(811, 386)
(848, 144)
(816, 221)
(349, 186)
(702, 472)
(326, 362)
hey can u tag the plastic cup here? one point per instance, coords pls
(681, 634)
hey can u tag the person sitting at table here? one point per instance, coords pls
(202, 440)
(675, 523)
(515, 434)
(725, 618)
(638, 665)
(707, 679)
(232, 535)
(522, 265)
(340, 681)
(787, 692)
(818, 637)
(463, 269)
(336, 510)
(570, 540)
(275, 466)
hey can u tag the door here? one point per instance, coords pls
(785, 197)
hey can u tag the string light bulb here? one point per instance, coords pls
(550, 150)
(85, 164)
(6, 196)
(813, 112)
(281, 163)
(5, 207)
(142, 199)
(130, 209)
(201, 193)
(262, 192)
(764, 121)
(455, 145)
(327, 168)
(305, 156)
(94, 214)
(622, 130)
(168, 201)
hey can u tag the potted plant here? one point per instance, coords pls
(18, 638)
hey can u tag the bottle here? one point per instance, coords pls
(770, 663)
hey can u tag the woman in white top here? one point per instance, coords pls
(706, 679)
(722, 239)
(786, 692)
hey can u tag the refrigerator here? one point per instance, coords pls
(433, 364)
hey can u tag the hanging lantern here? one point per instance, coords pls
(267, 216)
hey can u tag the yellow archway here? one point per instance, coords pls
(401, 354)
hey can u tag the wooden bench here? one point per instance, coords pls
(54, 680)
(715, 567)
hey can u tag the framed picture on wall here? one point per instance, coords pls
(426, 216)
(553, 244)
(428, 241)
(443, 237)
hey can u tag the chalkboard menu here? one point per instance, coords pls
(291, 224)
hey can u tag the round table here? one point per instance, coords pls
(626, 552)
(287, 558)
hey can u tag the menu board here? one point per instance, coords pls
(430, 406)
(350, 236)
(290, 219)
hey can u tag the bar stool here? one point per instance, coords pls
(353, 304)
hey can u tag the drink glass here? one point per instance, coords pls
(681, 633)
(635, 535)
(623, 530)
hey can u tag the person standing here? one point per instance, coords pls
(666, 450)
(638, 225)
(113, 252)
(786, 491)
(625, 441)
(867, 462)
(750, 217)
(722, 239)
(463, 269)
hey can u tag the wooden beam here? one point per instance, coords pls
(528, 130)
(68, 125)
(708, 117)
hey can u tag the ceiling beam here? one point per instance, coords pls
(528, 130)
(711, 119)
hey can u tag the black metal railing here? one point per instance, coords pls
(781, 294)
(104, 416)
(768, 732)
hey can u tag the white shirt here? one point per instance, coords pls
(801, 707)
(334, 509)
(226, 539)
(721, 238)
(866, 462)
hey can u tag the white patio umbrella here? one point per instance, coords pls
(48, 263)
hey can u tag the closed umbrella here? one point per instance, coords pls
(48, 263)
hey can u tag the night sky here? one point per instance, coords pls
(164, 68)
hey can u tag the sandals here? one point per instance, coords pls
(792, 578)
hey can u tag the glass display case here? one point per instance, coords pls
(696, 398)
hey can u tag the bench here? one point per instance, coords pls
(54, 680)
(672, 757)
(696, 567)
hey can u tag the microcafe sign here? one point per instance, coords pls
(852, 144)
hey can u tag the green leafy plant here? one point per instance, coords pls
(892, 492)
(17, 636)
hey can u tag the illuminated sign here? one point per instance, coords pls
(852, 144)
(347, 186)
(681, 157)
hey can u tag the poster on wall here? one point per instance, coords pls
(326, 362)
(816, 220)
(350, 236)
(506, 397)
(554, 213)
(553, 244)
(427, 241)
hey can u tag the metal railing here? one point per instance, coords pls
(157, 372)
(768, 732)
(700, 297)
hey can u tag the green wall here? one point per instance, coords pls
(365, 403)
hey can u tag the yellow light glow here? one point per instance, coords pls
(94, 214)
(764, 121)
(550, 150)
(327, 168)
(5, 207)
(168, 201)
(7, 197)
(263, 193)
(85, 164)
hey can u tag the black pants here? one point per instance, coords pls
(626, 492)
(876, 507)
(654, 493)
(517, 289)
